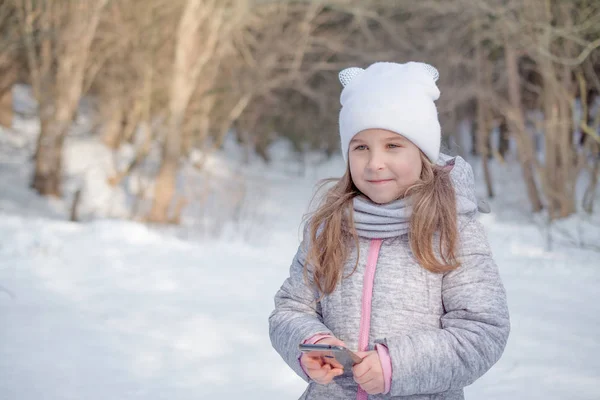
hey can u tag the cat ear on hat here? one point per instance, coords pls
(426, 75)
(432, 71)
(427, 68)
(347, 75)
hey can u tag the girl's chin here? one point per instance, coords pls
(379, 199)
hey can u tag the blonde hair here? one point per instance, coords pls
(331, 227)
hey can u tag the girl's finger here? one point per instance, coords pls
(333, 362)
(324, 380)
(360, 370)
(372, 388)
(313, 356)
(322, 370)
(311, 363)
(318, 367)
(369, 384)
(370, 391)
(361, 380)
(318, 374)
(333, 373)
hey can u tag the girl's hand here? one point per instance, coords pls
(319, 369)
(369, 374)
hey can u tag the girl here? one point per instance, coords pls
(394, 262)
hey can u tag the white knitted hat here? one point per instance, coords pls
(396, 97)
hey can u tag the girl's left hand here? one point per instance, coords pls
(369, 374)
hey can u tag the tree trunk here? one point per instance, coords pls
(59, 89)
(56, 117)
(503, 138)
(190, 61)
(114, 124)
(483, 111)
(48, 157)
(568, 154)
(8, 77)
(164, 190)
(560, 169)
(568, 158)
(6, 107)
(483, 149)
(551, 162)
(590, 192)
(517, 120)
(588, 126)
(474, 138)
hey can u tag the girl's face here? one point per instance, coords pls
(383, 164)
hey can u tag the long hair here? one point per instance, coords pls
(331, 231)
(331, 227)
(434, 211)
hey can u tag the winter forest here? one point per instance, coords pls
(157, 158)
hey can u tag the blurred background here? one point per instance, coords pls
(157, 156)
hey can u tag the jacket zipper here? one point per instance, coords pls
(367, 297)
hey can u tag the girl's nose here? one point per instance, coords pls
(375, 162)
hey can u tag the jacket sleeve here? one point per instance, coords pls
(297, 315)
(474, 329)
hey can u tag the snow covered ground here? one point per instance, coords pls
(115, 309)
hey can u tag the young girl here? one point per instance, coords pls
(394, 263)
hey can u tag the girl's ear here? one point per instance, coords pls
(348, 74)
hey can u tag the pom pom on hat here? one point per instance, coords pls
(396, 97)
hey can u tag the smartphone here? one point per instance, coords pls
(341, 354)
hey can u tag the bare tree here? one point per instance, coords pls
(8, 61)
(516, 119)
(179, 75)
(205, 19)
(483, 108)
(543, 44)
(57, 37)
(590, 128)
(558, 33)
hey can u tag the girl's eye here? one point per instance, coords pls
(393, 146)
(360, 147)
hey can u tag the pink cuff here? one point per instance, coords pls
(386, 366)
(315, 338)
(312, 340)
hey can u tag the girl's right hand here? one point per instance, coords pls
(320, 370)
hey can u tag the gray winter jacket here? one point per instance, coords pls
(443, 331)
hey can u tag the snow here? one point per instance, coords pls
(109, 308)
